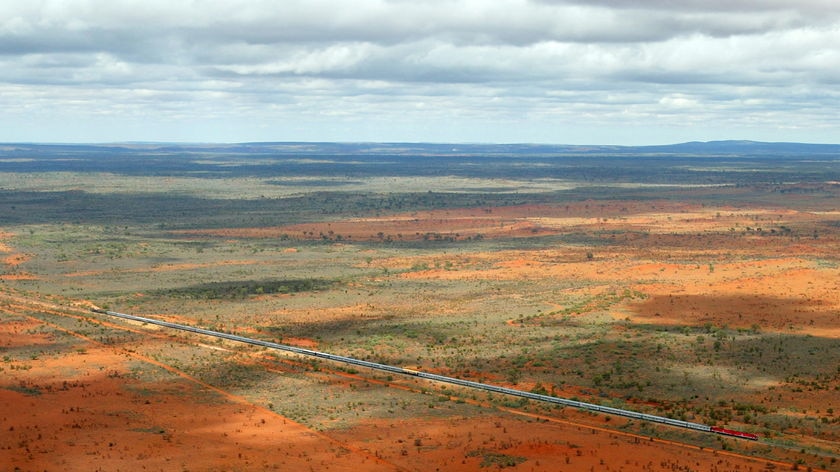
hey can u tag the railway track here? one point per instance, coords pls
(440, 378)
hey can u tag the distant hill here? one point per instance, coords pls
(694, 147)
(710, 148)
(742, 147)
(325, 164)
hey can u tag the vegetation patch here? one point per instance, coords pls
(230, 290)
(150, 430)
(496, 459)
(24, 389)
(711, 299)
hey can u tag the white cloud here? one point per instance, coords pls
(510, 69)
(305, 61)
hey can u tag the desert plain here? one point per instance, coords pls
(710, 296)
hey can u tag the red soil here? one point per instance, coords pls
(15, 260)
(12, 260)
(470, 444)
(72, 409)
(70, 405)
(656, 217)
(83, 409)
(19, 276)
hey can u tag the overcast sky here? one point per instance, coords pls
(540, 71)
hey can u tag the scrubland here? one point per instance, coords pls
(712, 301)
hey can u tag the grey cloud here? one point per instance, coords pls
(98, 26)
(548, 60)
(447, 41)
(723, 6)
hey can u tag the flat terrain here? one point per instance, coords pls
(706, 288)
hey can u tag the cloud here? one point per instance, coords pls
(501, 66)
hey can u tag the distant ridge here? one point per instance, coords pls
(741, 147)
(699, 148)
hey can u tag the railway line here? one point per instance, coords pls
(440, 378)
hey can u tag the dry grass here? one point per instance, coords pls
(676, 307)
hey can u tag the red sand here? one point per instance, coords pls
(79, 406)
(81, 409)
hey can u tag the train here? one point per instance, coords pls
(442, 378)
(734, 433)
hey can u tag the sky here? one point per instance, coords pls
(625, 72)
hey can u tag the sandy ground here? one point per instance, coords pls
(81, 407)
(68, 403)
(786, 287)
(656, 217)
(494, 442)
(10, 260)
(83, 404)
